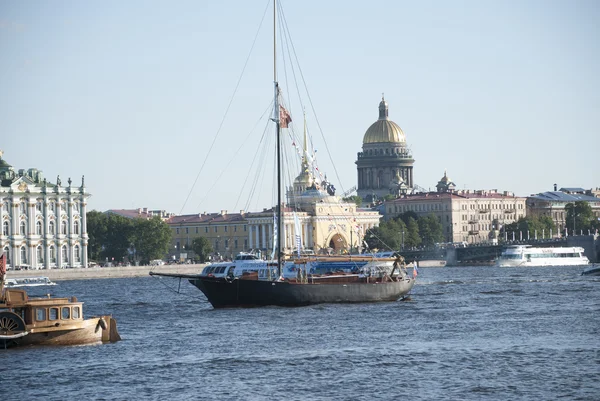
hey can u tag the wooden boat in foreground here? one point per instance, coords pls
(48, 321)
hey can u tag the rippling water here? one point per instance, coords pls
(466, 334)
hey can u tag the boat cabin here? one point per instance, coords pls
(42, 312)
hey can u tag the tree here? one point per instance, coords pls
(150, 239)
(96, 229)
(354, 199)
(201, 246)
(413, 238)
(116, 241)
(580, 216)
(430, 230)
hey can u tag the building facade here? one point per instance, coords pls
(385, 165)
(466, 215)
(43, 224)
(552, 204)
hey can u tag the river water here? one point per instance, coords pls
(470, 333)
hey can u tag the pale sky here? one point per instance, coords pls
(503, 94)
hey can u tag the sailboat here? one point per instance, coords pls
(302, 279)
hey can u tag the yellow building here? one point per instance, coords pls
(465, 215)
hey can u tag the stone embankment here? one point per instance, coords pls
(105, 272)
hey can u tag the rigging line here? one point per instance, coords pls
(230, 161)
(266, 112)
(227, 109)
(203, 299)
(315, 114)
(266, 141)
(288, 39)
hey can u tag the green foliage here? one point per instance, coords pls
(542, 225)
(354, 199)
(413, 238)
(201, 246)
(112, 237)
(404, 232)
(430, 230)
(96, 229)
(580, 216)
(150, 238)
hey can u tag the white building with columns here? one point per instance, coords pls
(43, 224)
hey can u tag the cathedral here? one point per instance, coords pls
(385, 165)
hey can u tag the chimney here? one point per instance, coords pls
(555, 188)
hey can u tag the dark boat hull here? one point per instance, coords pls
(223, 293)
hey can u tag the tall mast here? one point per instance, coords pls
(278, 131)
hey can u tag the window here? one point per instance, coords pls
(206, 229)
(40, 314)
(76, 312)
(235, 243)
(235, 229)
(216, 229)
(76, 227)
(65, 313)
(51, 206)
(77, 253)
(225, 228)
(64, 255)
(51, 227)
(23, 255)
(63, 227)
(53, 314)
(5, 228)
(22, 227)
(22, 208)
(187, 230)
(38, 227)
(76, 207)
(226, 243)
(40, 254)
(38, 206)
(196, 230)
(52, 255)
(177, 231)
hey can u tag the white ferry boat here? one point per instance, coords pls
(528, 256)
(27, 282)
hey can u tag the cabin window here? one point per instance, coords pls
(66, 312)
(40, 314)
(53, 314)
(76, 312)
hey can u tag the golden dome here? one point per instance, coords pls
(384, 129)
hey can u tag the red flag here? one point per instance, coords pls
(284, 117)
(2, 265)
